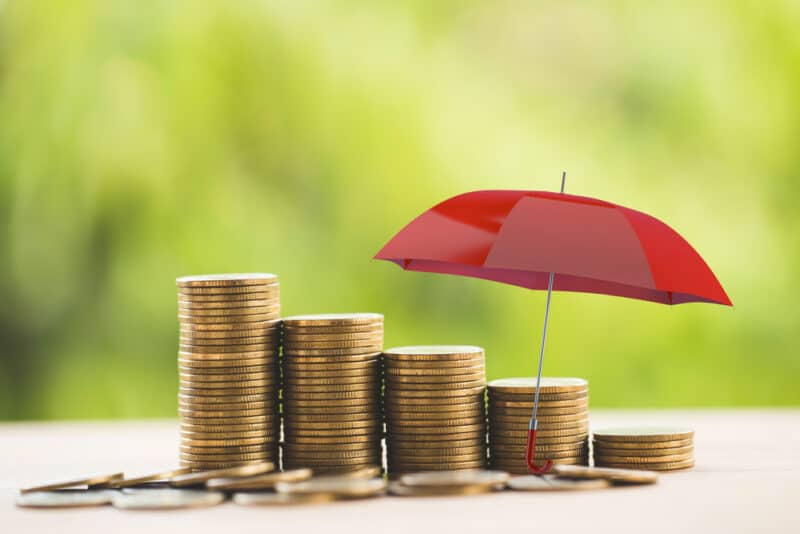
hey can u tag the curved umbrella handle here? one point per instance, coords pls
(529, 453)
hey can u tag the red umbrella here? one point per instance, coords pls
(538, 240)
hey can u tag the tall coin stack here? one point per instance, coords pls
(228, 369)
(331, 391)
(651, 448)
(434, 404)
(563, 419)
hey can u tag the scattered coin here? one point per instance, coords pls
(167, 499)
(258, 482)
(548, 483)
(340, 487)
(147, 479)
(282, 499)
(200, 478)
(65, 498)
(90, 482)
(400, 489)
(615, 476)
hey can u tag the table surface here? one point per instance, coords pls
(747, 479)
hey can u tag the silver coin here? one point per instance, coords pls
(65, 498)
(548, 483)
(167, 499)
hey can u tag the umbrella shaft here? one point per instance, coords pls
(541, 349)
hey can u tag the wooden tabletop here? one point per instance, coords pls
(747, 479)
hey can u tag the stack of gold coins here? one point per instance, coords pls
(228, 368)
(650, 448)
(331, 391)
(434, 404)
(563, 419)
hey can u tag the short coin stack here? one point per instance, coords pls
(650, 448)
(434, 404)
(331, 391)
(563, 419)
(228, 369)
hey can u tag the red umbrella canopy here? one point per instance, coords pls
(592, 246)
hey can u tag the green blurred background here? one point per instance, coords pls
(141, 141)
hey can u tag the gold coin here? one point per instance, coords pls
(644, 445)
(402, 409)
(223, 442)
(432, 352)
(263, 456)
(211, 428)
(341, 487)
(250, 384)
(282, 499)
(264, 433)
(435, 371)
(225, 366)
(435, 390)
(399, 441)
(316, 463)
(228, 292)
(228, 313)
(268, 419)
(520, 467)
(191, 399)
(368, 395)
(553, 442)
(224, 280)
(362, 401)
(543, 397)
(334, 319)
(554, 447)
(328, 410)
(264, 392)
(436, 417)
(292, 373)
(448, 436)
(548, 483)
(201, 465)
(241, 357)
(547, 385)
(342, 423)
(666, 466)
(336, 358)
(301, 455)
(230, 335)
(454, 453)
(327, 388)
(432, 430)
(543, 405)
(300, 418)
(90, 482)
(426, 386)
(666, 458)
(520, 454)
(607, 451)
(147, 479)
(358, 351)
(401, 490)
(265, 293)
(648, 434)
(187, 343)
(65, 498)
(264, 406)
(366, 345)
(335, 440)
(197, 479)
(202, 350)
(296, 337)
(298, 435)
(615, 476)
(543, 425)
(237, 326)
(194, 319)
(265, 374)
(244, 449)
(366, 329)
(439, 381)
(221, 414)
(393, 398)
(292, 383)
(191, 304)
(395, 423)
(266, 481)
(454, 365)
(328, 447)
(548, 422)
(300, 367)
(541, 412)
(500, 433)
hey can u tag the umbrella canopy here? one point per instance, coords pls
(538, 240)
(592, 246)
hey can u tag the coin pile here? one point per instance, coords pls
(653, 448)
(563, 419)
(331, 391)
(434, 405)
(228, 369)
